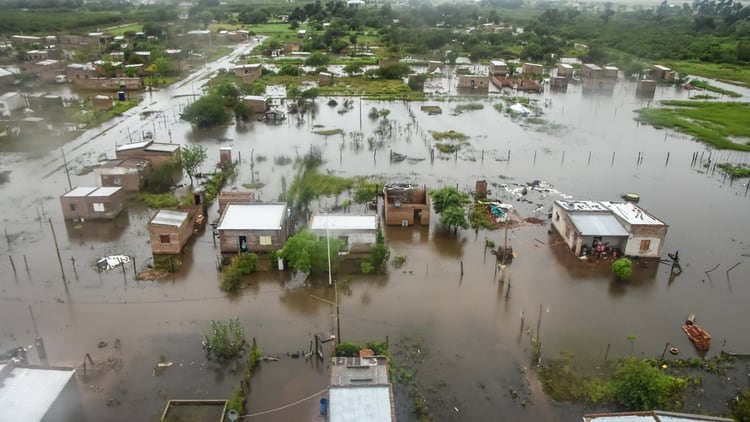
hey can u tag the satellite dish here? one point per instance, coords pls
(232, 415)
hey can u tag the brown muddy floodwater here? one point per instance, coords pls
(465, 336)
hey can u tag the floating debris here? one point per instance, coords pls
(113, 261)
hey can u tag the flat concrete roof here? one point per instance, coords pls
(26, 394)
(362, 404)
(633, 214)
(80, 191)
(253, 217)
(162, 147)
(134, 145)
(105, 191)
(344, 222)
(169, 218)
(651, 416)
(582, 206)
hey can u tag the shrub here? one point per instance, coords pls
(227, 340)
(241, 265)
(622, 268)
(348, 349)
(638, 385)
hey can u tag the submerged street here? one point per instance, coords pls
(466, 338)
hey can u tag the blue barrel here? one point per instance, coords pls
(324, 406)
(121, 95)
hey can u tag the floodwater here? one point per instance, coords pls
(466, 336)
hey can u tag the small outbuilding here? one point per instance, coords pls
(169, 232)
(474, 82)
(359, 232)
(92, 202)
(406, 205)
(129, 173)
(156, 152)
(498, 68)
(256, 103)
(253, 228)
(360, 389)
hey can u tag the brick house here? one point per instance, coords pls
(169, 232)
(622, 226)
(253, 228)
(156, 152)
(406, 205)
(129, 173)
(92, 202)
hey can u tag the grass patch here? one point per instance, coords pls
(733, 74)
(735, 172)
(254, 185)
(371, 88)
(283, 160)
(451, 135)
(708, 87)
(715, 123)
(703, 97)
(329, 132)
(157, 200)
(447, 147)
(467, 107)
(431, 110)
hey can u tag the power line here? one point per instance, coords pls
(285, 406)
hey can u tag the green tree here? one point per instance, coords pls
(193, 156)
(454, 217)
(206, 112)
(317, 59)
(741, 406)
(226, 340)
(352, 68)
(307, 253)
(447, 197)
(622, 268)
(638, 385)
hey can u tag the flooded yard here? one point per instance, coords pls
(468, 336)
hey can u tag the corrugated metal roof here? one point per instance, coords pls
(344, 222)
(169, 218)
(361, 404)
(598, 225)
(253, 217)
(80, 191)
(26, 394)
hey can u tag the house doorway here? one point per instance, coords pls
(243, 243)
(417, 215)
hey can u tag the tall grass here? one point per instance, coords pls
(715, 123)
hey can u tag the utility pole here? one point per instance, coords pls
(57, 249)
(67, 172)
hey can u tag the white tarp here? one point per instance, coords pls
(109, 262)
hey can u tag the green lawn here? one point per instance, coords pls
(722, 124)
(737, 75)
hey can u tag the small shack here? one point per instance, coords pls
(249, 72)
(169, 232)
(360, 389)
(156, 152)
(359, 232)
(558, 83)
(565, 70)
(253, 228)
(434, 66)
(129, 173)
(498, 68)
(258, 104)
(92, 202)
(532, 69)
(661, 73)
(406, 205)
(474, 82)
(235, 197)
(325, 79)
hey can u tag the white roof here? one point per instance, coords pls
(105, 191)
(247, 66)
(5, 72)
(361, 404)
(169, 218)
(48, 62)
(254, 98)
(660, 67)
(82, 191)
(253, 217)
(134, 145)
(566, 65)
(592, 66)
(632, 213)
(651, 416)
(344, 222)
(27, 394)
(611, 68)
(497, 62)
